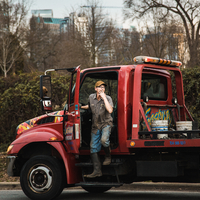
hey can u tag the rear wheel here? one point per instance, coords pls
(96, 189)
(41, 178)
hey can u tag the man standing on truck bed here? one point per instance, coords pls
(101, 106)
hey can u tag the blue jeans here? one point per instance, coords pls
(100, 138)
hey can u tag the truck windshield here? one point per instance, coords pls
(154, 86)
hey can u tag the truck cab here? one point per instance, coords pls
(153, 137)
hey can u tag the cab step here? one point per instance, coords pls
(91, 164)
(107, 170)
(99, 184)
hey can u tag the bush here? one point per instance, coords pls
(191, 82)
(19, 102)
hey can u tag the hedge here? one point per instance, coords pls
(191, 82)
(19, 101)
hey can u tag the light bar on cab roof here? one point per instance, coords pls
(159, 61)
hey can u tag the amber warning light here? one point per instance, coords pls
(160, 61)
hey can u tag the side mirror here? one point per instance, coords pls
(45, 92)
(45, 87)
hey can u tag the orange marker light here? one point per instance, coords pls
(132, 144)
(53, 138)
(153, 60)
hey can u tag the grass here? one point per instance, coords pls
(3, 170)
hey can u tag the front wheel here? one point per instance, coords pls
(41, 178)
(96, 189)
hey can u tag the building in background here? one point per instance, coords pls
(45, 18)
(46, 13)
(61, 25)
(79, 23)
(183, 50)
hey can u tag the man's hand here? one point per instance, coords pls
(102, 95)
(109, 108)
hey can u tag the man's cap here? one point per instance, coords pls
(99, 83)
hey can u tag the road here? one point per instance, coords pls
(110, 195)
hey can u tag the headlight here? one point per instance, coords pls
(10, 148)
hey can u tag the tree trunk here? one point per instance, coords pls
(193, 55)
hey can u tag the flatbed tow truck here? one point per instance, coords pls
(154, 137)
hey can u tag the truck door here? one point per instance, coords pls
(72, 131)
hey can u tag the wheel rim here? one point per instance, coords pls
(40, 178)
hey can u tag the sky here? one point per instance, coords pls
(62, 8)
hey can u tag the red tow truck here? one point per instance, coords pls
(153, 137)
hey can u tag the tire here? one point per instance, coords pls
(42, 178)
(96, 189)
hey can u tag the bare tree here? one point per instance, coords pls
(160, 39)
(42, 42)
(72, 51)
(99, 30)
(188, 11)
(126, 45)
(12, 33)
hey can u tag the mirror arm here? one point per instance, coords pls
(49, 70)
(68, 69)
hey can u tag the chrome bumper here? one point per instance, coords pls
(10, 160)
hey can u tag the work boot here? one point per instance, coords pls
(107, 160)
(97, 166)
